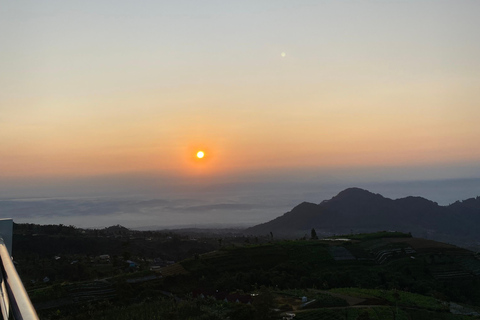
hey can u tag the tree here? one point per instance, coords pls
(242, 311)
(264, 304)
(313, 234)
(364, 315)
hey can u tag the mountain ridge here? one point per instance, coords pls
(359, 210)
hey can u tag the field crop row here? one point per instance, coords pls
(403, 298)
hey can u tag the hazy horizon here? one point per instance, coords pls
(237, 206)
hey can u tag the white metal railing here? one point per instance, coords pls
(14, 300)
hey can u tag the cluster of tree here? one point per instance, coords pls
(279, 265)
(262, 308)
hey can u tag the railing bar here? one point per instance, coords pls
(22, 307)
(4, 302)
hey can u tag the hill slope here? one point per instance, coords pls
(391, 268)
(358, 210)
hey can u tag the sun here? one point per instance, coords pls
(200, 154)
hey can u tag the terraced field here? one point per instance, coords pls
(372, 277)
(173, 270)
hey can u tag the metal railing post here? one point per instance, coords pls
(13, 292)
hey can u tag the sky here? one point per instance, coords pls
(289, 100)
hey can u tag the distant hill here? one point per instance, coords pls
(357, 210)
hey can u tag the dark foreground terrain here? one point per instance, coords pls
(116, 273)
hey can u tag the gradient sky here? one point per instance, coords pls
(303, 89)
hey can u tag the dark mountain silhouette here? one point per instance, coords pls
(357, 210)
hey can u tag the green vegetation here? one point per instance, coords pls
(402, 298)
(376, 235)
(374, 276)
(316, 298)
(326, 314)
(326, 301)
(376, 313)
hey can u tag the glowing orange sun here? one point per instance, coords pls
(200, 154)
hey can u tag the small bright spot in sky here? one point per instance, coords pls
(283, 54)
(200, 154)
